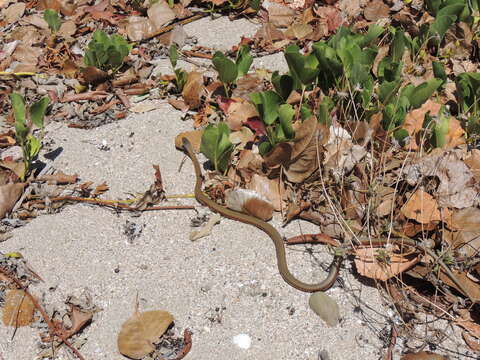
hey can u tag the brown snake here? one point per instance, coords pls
(265, 227)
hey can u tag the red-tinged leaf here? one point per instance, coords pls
(224, 103)
(257, 126)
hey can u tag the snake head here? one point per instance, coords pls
(187, 145)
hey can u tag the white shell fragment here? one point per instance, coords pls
(243, 341)
(249, 202)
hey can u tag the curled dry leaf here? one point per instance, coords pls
(375, 10)
(249, 202)
(421, 207)
(193, 90)
(141, 331)
(18, 309)
(206, 229)
(378, 263)
(9, 194)
(238, 112)
(457, 188)
(423, 355)
(414, 120)
(473, 162)
(271, 189)
(280, 15)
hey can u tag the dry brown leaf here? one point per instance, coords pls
(455, 135)
(471, 341)
(195, 138)
(304, 132)
(59, 178)
(14, 12)
(371, 262)
(160, 13)
(79, 320)
(193, 90)
(9, 194)
(376, 10)
(249, 202)
(423, 355)
(299, 31)
(457, 188)
(421, 207)
(268, 188)
(473, 162)
(280, 155)
(67, 29)
(17, 167)
(414, 120)
(280, 15)
(141, 331)
(18, 309)
(205, 229)
(472, 288)
(238, 112)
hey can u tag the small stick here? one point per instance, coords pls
(114, 203)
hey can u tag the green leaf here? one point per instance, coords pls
(387, 90)
(20, 114)
(324, 111)
(33, 145)
(440, 130)
(468, 89)
(226, 68)
(173, 55)
(439, 71)
(181, 78)
(244, 60)
(267, 103)
(255, 4)
(38, 110)
(286, 113)
(216, 146)
(283, 85)
(264, 148)
(52, 19)
(302, 67)
(398, 45)
(422, 92)
(374, 31)
(106, 53)
(400, 134)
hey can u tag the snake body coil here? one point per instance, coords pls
(265, 227)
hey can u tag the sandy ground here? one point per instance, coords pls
(220, 286)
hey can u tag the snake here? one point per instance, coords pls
(268, 229)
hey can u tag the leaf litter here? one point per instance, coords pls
(422, 186)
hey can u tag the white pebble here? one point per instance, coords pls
(243, 341)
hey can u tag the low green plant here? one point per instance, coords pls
(106, 52)
(181, 75)
(24, 122)
(277, 118)
(229, 71)
(216, 146)
(52, 19)
(468, 97)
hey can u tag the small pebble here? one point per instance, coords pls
(243, 341)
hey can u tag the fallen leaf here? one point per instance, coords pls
(193, 90)
(206, 229)
(141, 331)
(59, 178)
(471, 341)
(423, 355)
(456, 188)
(299, 31)
(249, 202)
(67, 29)
(421, 207)
(9, 194)
(325, 307)
(238, 113)
(381, 264)
(14, 12)
(160, 13)
(18, 309)
(472, 289)
(414, 120)
(144, 106)
(376, 10)
(280, 15)
(79, 319)
(473, 162)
